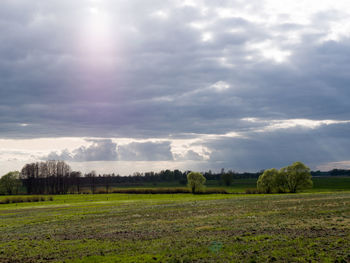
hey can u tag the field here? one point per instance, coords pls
(321, 184)
(305, 227)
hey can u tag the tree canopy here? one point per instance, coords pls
(195, 181)
(297, 177)
(10, 183)
(290, 178)
(266, 182)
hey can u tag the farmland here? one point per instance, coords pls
(178, 228)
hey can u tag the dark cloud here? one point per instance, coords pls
(262, 150)
(143, 70)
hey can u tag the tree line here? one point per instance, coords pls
(57, 177)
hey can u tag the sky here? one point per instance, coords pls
(132, 86)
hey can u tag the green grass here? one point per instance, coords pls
(306, 227)
(321, 184)
(330, 184)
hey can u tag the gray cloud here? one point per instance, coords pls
(114, 69)
(147, 151)
(107, 150)
(277, 148)
(189, 155)
(99, 150)
(65, 155)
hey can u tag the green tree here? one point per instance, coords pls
(10, 182)
(297, 176)
(195, 181)
(267, 181)
(281, 183)
(227, 177)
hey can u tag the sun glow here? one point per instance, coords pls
(97, 46)
(97, 33)
(96, 39)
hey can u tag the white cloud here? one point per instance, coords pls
(269, 50)
(220, 86)
(272, 125)
(207, 36)
(334, 165)
(190, 155)
(161, 14)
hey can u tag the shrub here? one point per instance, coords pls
(151, 190)
(227, 178)
(178, 190)
(35, 199)
(5, 201)
(16, 199)
(196, 182)
(215, 191)
(252, 191)
(27, 199)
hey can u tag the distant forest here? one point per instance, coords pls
(56, 177)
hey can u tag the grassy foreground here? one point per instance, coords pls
(309, 227)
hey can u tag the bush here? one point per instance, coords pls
(25, 199)
(227, 178)
(252, 191)
(178, 190)
(215, 191)
(151, 190)
(5, 201)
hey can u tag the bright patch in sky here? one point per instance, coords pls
(220, 86)
(269, 51)
(292, 123)
(141, 85)
(161, 14)
(97, 35)
(207, 36)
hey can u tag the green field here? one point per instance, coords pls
(321, 184)
(306, 227)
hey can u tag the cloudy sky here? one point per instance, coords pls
(134, 85)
